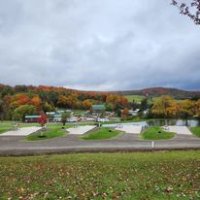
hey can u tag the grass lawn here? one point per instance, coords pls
(10, 124)
(101, 134)
(196, 131)
(136, 98)
(4, 129)
(127, 176)
(156, 133)
(53, 130)
(5, 126)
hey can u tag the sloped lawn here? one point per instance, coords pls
(5, 126)
(196, 131)
(156, 133)
(101, 134)
(171, 175)
(50, 132)
(4, 129)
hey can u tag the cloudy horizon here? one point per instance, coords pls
(98, 45)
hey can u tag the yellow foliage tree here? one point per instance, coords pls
(197, 108)
(165, 106)
(187, 108)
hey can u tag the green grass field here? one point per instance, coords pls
(196, 131)
(136, 98)
(156, 133)
(101, 134)
(4, 129)
(127, 176)
(8, 125)
(5, 126)
(52, 131)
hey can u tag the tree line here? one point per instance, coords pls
(20, 100)
(168, 107)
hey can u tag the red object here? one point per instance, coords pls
(42, 119)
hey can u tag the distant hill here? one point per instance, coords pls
(158, 91)
(151, 92)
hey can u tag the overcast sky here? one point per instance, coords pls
(98, 44)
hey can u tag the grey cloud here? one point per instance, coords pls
(103, 45)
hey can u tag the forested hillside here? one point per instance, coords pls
(32, 100)
(158, 91)
(20, 100)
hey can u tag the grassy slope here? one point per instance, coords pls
(156, 133)
(53, 130)
(160, 175)
(5, 126)
(9, 125)
(4, 129)
(101, 133)
(196, 131)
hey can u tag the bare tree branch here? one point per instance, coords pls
(185, 9)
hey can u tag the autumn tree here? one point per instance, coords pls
(197, 108)
(19, 100)
(187, 108)
(52, 96)
(20, 88)
(42, 119)
(190, 8)
(62, 101)
(7, 111)
(6, 90)
(68, 101)
(21, 111)
(64, 117)
(36, 101)
(116, 101)
(86, 104)
(47, 107)
(1, 109)
(124, 113)
(165, 106)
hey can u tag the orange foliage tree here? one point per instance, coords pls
(116, 101)
(124, 113)
(36, 101)
(87, 104)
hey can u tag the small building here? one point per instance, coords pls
(56, 116)
(32, 118)
(73, 119)
(50, 116)
(145, 112)
(134, 112)
(98, 108)
(103, 120)
(98, 111)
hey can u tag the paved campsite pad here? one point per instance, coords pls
(134, 129)
(80, 130)
(21, 131)
(180, 130)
